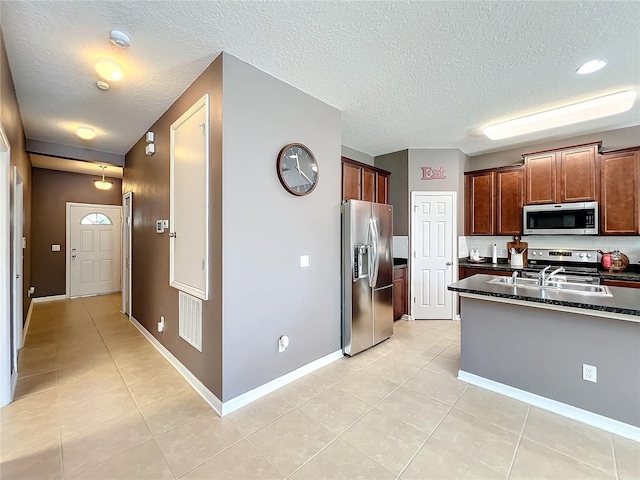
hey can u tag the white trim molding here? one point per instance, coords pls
(605, 423)
(52, 298)
(229, 406)
(27, 322)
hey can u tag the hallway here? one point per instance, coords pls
(95, 400)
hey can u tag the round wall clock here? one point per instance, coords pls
(297, 169)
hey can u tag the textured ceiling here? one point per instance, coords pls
(404, 74)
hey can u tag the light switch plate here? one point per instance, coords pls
(304, 260)
(55, 248)
(165, 223)
(159, 227)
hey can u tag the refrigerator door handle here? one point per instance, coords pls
(376, 253)
(373, 250)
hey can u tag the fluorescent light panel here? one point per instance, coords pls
(558, 117)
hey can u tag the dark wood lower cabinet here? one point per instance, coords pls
(621, 283)
(399, 292)
(468, 272)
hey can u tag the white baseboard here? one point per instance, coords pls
(27, 323)
(52, 298)
(262, 390)
(605, 423)
(246, 398)
(197, 385)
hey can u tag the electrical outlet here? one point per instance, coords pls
(161, 324)
(283, 343)
(589, 373)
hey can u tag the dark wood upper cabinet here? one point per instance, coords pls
(368, 185)
(563, 175)
(509, 200)
(578, 175)
(479, 203)
(540, 177)
(493, 201)
(351, 182)
(619, 192)
(364, 182)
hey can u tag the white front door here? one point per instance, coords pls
(433, 259)
(93, 248)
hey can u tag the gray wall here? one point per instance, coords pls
(357, 155)
(265, 230)
(542, 352)
(398, 164)
(611, 140)
(453, 161)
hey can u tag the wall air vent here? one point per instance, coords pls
(190, 320)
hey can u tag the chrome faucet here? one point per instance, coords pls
(544, 279)
(513, 276)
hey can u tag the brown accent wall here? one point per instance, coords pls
(12, 125)
(148, 179)
(51, 192)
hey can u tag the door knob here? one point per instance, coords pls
(448, 264)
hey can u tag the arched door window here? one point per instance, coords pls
(96, 219)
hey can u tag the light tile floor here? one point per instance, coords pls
(96, 401)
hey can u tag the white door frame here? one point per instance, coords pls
(7, 377)
(127, 233)
(18, 261)
(68, 238)
(454, 246)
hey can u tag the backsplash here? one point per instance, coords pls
(627, 245)
(400, 246)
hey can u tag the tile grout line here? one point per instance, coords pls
(615, 462)
(515, 453)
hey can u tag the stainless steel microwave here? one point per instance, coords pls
(580, 218)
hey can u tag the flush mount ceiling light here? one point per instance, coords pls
(86, 133)
(109, 69)
(102, 85)
(592, 66)
(558, 117)
(103, 184)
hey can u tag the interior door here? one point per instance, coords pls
(127, 210)
(18, 261)
(433, 258)
(93, 247)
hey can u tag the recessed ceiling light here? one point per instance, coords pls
(578, 112)
(86, 133)
(591, 66)
(109, 69)
(119, 38)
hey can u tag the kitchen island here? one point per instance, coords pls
(532, 343)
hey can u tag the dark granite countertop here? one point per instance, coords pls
(399, 262)
(624, 301)
(631, 273)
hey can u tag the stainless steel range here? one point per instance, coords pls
(580, 266)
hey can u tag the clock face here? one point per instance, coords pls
(297, 169)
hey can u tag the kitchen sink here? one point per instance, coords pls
(558, 285)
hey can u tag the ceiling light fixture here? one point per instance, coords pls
(86, 133)
(102, 85)
(558, 117)
(591, 66)
(103, 184)
(109, 69)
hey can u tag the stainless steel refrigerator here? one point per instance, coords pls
(367, 275)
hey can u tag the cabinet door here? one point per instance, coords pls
(351, 182)
(621, 283)
(509, 199)
(399, 292)
(540, 179)
(619, 197)
(382, 188)
(368, 185)
(578, 175)
(479, 215)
